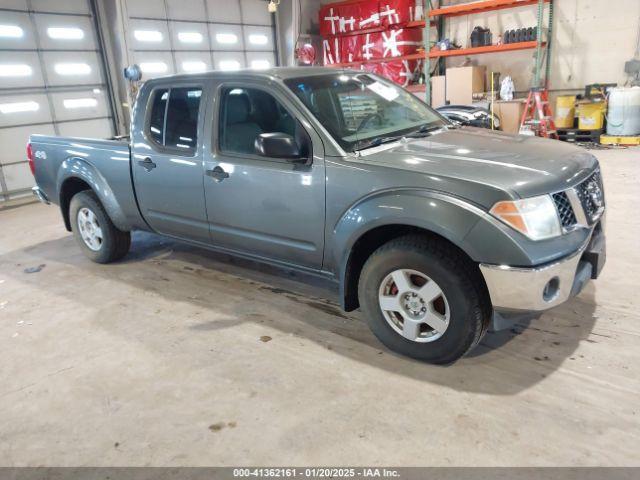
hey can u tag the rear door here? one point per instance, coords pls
(267, 207)
(167, 160)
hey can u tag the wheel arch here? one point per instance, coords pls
(383, 217)
(76, 175)
(368, 243)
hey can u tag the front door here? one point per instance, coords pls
(271, 208)
(167, 163)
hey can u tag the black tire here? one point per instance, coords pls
(458, 278)
(115, 243)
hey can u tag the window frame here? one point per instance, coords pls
(218, 124)
(162, 148)
(150, 104)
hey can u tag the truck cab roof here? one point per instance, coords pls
(282, 73)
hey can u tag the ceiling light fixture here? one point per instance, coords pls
(11, 31)
(15, 70)
(79, 102)
(153, 67)
(228, 65)
(194, 66)
(65, 33)
(226, 38)
(72, 69)
(17, 107)
(148, 36)
(190, 37)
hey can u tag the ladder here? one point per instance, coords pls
(537, 116)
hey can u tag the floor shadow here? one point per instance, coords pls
(505, 362)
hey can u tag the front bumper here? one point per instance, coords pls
(540, 288)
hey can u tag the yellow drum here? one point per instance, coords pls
(565, 111)
(591, 116)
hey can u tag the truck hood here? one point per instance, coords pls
(524, 166)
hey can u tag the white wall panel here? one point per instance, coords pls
(14, 141)
(61, 65)
(186, 10)
(8, 63)
(219, 31)
(61, 6)
(155, 31)
(79, 105)
(255, 11)
(86, 129)
(224, 11)
(22, 21)
(183, 35)
(44, 22)
(146, 8)
(23, 109)
(15, 4)
(17, 176)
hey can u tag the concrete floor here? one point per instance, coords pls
(162, 360)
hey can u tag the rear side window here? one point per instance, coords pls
(182, 118)
(158, 109)
(176, 125)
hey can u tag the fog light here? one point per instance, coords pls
(551, 289)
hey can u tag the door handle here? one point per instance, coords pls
(218, 174)
(147, 164)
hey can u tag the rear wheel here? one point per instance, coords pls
(94, 231)
(423, 299)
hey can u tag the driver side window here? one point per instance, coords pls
(245, 113)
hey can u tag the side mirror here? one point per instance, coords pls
(277, 145)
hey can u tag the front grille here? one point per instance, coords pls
(565, 212)
(591, 196)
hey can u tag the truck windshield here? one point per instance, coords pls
(361, 110)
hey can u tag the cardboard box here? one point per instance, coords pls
(438, 91)
(510, 114)
(463, 82)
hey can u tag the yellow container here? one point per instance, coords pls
(591, 115)
(565, 111)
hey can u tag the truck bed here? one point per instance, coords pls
(105, 165)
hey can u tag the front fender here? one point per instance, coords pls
(74, 167)
(445, 215)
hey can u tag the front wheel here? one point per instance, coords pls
(94, 231)
(423, 299)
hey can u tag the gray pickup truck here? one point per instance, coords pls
(433, 230)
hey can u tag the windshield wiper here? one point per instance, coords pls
(376, 142)
(425, 129)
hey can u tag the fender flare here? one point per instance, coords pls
(74, 167)
(445, 215)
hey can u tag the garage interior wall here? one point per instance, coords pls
(52, 81)
(591, 41)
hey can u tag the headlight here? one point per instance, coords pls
(536, 217)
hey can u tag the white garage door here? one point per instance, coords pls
(51, 81)
(183, 36)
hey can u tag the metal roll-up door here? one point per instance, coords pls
(185, 36)
(52, 81)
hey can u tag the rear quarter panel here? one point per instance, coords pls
(103, 164)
